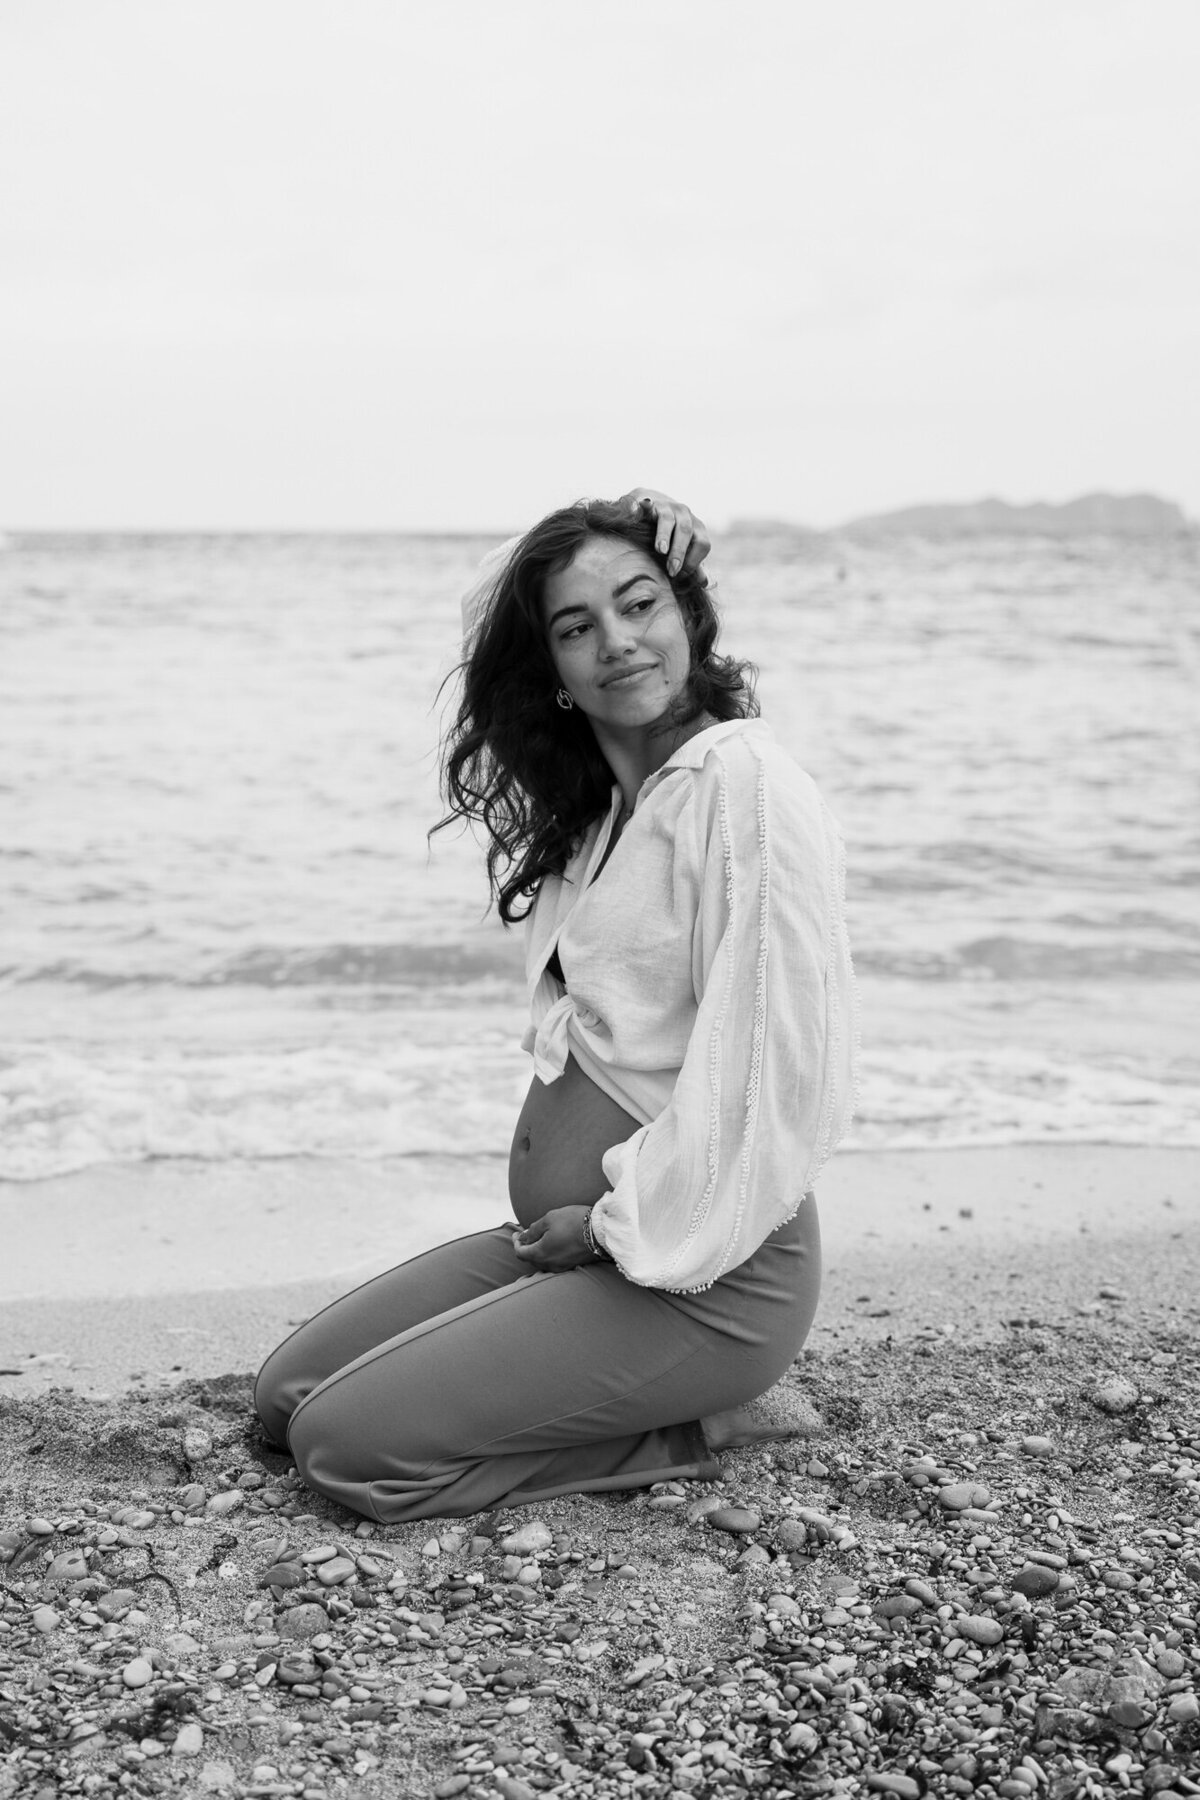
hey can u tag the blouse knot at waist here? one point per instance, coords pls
(551, 1044)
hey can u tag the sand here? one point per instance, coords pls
(975, 1568)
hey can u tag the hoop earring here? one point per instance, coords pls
(563, 699)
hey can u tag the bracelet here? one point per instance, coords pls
(590, 1244)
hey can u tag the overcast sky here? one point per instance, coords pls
(367, 263)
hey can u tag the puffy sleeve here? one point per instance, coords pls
(767, 1084)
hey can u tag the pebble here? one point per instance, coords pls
(189, 1740)
(1114, 1394)
(303, 1621)
(45, 1619)
(980, 1629)
(903, 1785)
(738, 1519)
(956, 1496)
(227, 1501)
(1184, 1709)
(333, 1573)
(40, 1528)
(197, 1444)
(138, 1673)
(528, 1540)
(1037, 1446)
(1035, 1581)
(700, 1508)
(68, 1565)
(791, 1534)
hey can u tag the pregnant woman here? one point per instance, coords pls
(692, 1032)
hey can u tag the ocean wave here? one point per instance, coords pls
(357, 965)
(1003, 957)
(62, 1111)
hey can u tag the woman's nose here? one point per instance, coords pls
(616, 636)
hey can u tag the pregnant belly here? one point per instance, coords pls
(563, 1131)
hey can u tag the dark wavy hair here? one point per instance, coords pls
(512, 760)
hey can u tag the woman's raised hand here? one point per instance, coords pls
(555, 1241)
(681, 537)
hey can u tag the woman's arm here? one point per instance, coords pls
(767, 1083)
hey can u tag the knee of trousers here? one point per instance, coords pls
(278, 1391)
(323, 1442)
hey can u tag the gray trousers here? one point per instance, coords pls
(459, 1381)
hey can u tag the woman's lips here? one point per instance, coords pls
(628, 675)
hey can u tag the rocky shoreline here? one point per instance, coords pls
(976, 1572)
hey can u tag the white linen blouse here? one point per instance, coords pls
(709, 990)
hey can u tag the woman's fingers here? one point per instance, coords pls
(679, 535)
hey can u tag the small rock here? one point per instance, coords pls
(903, 1785)
(956, 1496)
(1114, 1394)
(40, 1528)
(1035, 1581)
(700, 1509)
(191, 1499)
(528, 1540)
(978, 1628)
(898, 1606)
(1037, 1446)
(45, 1619)
(227, 1501)
(1171, 1664)
(282, 1575)
(189, 1740)
(455, 1784)
(197, 1444)
(138, 1673)
(303, 1621)
(332, 1574)
(1183, 1709)
(514, 1789)
(737, 1519)
(140, 1520)
(68, 1565)
(791, 1534)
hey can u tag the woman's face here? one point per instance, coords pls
(616, 635)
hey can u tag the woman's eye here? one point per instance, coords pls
(574, 630)
(642, 605)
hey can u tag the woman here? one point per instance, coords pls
(692, 1030)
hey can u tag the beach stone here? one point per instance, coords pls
(227, 1501)
(1183, 1709)
(68, 1565)
(898, 1606)
(903, 1785)
(700, 1508)
(957, 1496)
(138, 1673)
(1114, 1394)
(303, 1621)
(117, 1601)
(978, 1628)
(791, 1534)
(39, 1527)
(737, 1519)
(189, 1740)
(192, 1497)
(197, 1444)
(332, 1574)
(45, 1619)
(140, 1520)
(528, 1540)
(284, 1575)
(1171, 1664)
(1035, 1581)
(1037, 1446)
(920, 1590)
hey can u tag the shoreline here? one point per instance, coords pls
(955, 1241)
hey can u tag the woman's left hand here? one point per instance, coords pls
(555, 1241)
(680, 536)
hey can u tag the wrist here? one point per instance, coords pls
(591, 1242)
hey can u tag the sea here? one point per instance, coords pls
(225, 933)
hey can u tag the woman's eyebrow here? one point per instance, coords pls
(562, 613)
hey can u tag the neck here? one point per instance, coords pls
(632, 756)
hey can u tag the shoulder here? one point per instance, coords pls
(743, 766)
